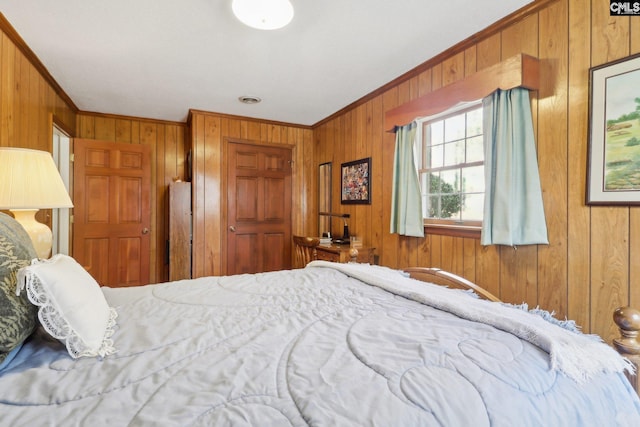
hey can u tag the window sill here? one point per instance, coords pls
(467, 231)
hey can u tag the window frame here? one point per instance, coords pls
(447, 227)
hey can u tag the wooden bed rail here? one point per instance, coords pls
(628, 321)
(441, 277)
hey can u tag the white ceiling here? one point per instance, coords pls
(159, 58)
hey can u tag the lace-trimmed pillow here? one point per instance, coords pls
(18, 317)
(72, 309)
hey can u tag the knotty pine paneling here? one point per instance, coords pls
(29, 104)
(168, 152)
(610, 40)
(381, 191)
(552, 119)
(209, 135)
(592, 264)
(579, 230)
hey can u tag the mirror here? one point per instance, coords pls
(324, 198)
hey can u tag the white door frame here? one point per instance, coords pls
(60, 219)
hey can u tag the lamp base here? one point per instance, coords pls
(40, 234)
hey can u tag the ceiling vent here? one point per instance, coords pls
(249, 99)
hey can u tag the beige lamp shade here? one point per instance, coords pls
(29, 181)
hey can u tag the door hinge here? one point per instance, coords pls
(70, 219)
(72, 157)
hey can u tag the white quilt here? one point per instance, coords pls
(295, 348)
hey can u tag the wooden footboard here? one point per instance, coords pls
(628, 321)
(444, 278)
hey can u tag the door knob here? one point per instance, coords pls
(232, 228)
(145, 230)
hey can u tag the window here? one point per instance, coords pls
(451, 168)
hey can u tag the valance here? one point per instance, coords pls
(518, 71)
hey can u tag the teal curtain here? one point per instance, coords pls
(513, 210)
(406, 205)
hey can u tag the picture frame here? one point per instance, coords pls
(355, 184)
(613, 170)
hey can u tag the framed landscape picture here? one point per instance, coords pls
(613, 174)
(356, 184)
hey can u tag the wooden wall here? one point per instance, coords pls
(168, 152)
(592, 264)
(209, 131)
(29, 101)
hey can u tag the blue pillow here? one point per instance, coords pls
(9, 357)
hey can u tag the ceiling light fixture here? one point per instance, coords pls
(249, 99)
(263, 14)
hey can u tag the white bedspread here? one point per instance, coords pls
(302, 347)
(576, 355)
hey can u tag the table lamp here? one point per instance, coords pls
(30, 181)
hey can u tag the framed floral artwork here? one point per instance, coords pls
(356, 182)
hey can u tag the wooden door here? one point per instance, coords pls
(258, 208)
(111, 195)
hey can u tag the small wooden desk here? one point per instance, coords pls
(340, 253)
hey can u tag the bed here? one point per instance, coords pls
(326, 345)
